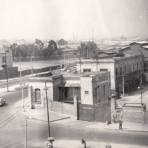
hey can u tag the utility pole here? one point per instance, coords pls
(123, 85)
(80, 59)
(97, 63)
(47, 110)
(7, 75)
(23, 97)
(5, 66)
(140, 88)
(141, 94)
(26, 133)
(21, 85)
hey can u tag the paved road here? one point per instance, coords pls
(13, 130)
(137, 138)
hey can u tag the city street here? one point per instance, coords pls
(16, 130)
(73, 74)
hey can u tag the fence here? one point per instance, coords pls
(10, 72)
(13, 71)
(61, 107)
(100, 112)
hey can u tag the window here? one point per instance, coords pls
(95, 91)
(4, 59)
(103, 69)
(133, 67)
(137, 67)
(116, 71)
(120, 70)
(86, 70)
(37, 96)
(86, 92)
(124, 69)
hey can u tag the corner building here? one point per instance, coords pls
(125, 72)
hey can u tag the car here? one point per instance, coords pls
(2, 101)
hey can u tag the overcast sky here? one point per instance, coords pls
(81, 19)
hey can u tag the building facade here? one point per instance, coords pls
(125, 72)
(85, 91)
(139, 49)
(6, 57)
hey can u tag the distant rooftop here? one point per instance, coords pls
(106, 60)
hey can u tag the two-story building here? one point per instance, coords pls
(125, 72)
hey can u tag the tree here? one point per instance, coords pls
(88, 50)
(39, 44)
(52, 47)
(13, 49)
(62, 42)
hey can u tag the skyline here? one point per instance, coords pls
(72, 19)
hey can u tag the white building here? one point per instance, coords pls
(127, 69)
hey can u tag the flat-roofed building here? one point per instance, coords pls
(125, 72)
(89, 90)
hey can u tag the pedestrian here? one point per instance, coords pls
(120, 124)
(144, 107)
(108, 145)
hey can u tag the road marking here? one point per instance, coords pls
(7, 120)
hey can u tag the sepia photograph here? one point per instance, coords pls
(73, 73)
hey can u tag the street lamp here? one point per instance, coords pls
(47, 110)
(26, 132)
(5, 67)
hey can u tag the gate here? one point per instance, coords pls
(86, 112)
(99, 112)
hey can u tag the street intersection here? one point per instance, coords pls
(15, 133)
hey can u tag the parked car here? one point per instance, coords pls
(2, 101)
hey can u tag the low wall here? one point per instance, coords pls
(63, 108)
(133, 112)
(11, 71)
(100, 112)
(133, 116)
(44, 69)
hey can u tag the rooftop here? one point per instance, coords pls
(107, 60)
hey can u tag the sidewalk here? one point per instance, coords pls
(67, 120)
(61, 143)
(135, 97)
(70, 121)
(63, 120)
